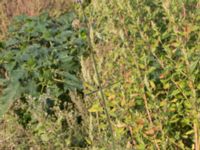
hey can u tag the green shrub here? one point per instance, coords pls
(148, 60)
(41, 56)
(40, 63)
(153, 47)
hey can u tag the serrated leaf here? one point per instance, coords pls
(10, 94)
(73, 82)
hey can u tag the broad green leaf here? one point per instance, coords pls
(10, 94)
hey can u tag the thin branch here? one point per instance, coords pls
(103, 87)
(99, 80)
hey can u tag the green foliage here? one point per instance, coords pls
(41, 56)
(154, 47)
(148, 59)
(40, 67)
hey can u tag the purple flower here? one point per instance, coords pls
(78, 1)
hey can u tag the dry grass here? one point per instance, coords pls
(10, 131)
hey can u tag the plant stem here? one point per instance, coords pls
(99, 80)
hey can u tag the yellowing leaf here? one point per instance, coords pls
(166, 86)
(96, 108)
(150, 132)
(152, 85)
(163, 103)
(111, 97)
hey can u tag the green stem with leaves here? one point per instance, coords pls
(103, 97)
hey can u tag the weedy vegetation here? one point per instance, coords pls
(129, 65)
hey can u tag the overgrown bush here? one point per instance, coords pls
(153, 47)
(148, 59)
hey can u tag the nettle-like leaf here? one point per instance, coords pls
(12, 91)
(41, 52)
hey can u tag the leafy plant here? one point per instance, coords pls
(153, 46)
(147, 57)
(41, 56)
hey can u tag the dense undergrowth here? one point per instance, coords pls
(40, 63)
(147, 56)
